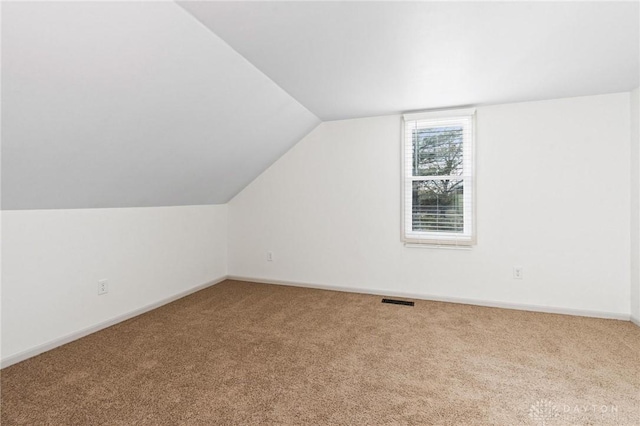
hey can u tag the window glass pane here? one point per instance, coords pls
(437, 151)
(438, 206)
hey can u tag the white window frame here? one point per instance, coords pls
(466, 118)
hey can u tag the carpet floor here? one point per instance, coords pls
(244, 353)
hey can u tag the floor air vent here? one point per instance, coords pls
(397, 302)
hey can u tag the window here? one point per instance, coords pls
(439, 177)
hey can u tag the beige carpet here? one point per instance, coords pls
(242, 353)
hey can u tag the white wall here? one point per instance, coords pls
(53, 259)
(553, 196)
(635, 205)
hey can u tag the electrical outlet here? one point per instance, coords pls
(103, 287)
(517, 272)
(269, 256)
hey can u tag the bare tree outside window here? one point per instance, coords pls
(438, 203)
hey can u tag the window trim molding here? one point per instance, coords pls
(445, 241)
(443, 113)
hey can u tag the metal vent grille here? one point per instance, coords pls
(398, 302)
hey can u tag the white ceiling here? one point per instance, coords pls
(356, 59)
(132, 104)
(128, 104)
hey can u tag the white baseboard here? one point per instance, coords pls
(47, 346)
(37, 350)
(486, 303)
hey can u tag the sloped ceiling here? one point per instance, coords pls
(120, 104)
(124, 104)
(356, 59)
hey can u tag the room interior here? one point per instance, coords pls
(205, 202)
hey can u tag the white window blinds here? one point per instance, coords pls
(438, 168)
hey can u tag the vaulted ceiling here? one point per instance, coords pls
(128, 104)
(121, 104)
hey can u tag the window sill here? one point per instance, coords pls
(438, 246)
